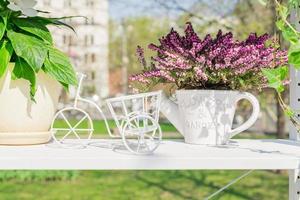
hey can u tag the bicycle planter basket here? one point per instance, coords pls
(136, 118)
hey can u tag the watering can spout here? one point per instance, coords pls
(171, 111)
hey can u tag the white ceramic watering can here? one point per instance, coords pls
(206, 116)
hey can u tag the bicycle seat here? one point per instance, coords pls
(81, 74)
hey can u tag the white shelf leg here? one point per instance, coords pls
(294, 175)
(294, 184)
(295, 84)
(294, 100)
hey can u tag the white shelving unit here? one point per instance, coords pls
(172, 154)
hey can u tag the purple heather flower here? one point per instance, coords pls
(141, 56)
(200, 74)
(190, 35)
(188, 58)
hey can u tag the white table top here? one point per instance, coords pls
(172, 154)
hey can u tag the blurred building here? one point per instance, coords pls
(88, 47)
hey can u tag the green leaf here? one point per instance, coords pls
(35, 27)
(58, 65)
(294, 3)
(283, 11)
(287, 33)
(55, 21)
(31, 49)
(290, 36)
(65, 86)
(24, 71)
(6, 52)
(280, 24)
(294, 55)
(3, 22)
(241, 81)
(276, 77)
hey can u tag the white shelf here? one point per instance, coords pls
(239, 154)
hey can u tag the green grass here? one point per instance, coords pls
(169, 131)
(150, 185)
(45, 175)
(145, 185)
(100, 128)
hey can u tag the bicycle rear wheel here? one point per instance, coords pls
(141, 134)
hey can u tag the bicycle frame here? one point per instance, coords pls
(133, 124)
(79, 98)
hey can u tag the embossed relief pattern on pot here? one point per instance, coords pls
(207, 115)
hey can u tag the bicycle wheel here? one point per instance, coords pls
(141, 134)
(72, 132)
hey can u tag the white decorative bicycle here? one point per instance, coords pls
(136, 118)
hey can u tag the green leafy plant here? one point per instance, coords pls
(276, 77)
(26, 41)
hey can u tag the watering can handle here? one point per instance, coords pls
(255, 113)
(171, 112)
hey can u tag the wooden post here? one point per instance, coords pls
(294, 175)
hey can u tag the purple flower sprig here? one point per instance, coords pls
(141, 56)
(210, 63)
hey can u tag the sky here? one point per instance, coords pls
(119, 9)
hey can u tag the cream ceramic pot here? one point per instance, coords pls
(206, 116)
(21, 120)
